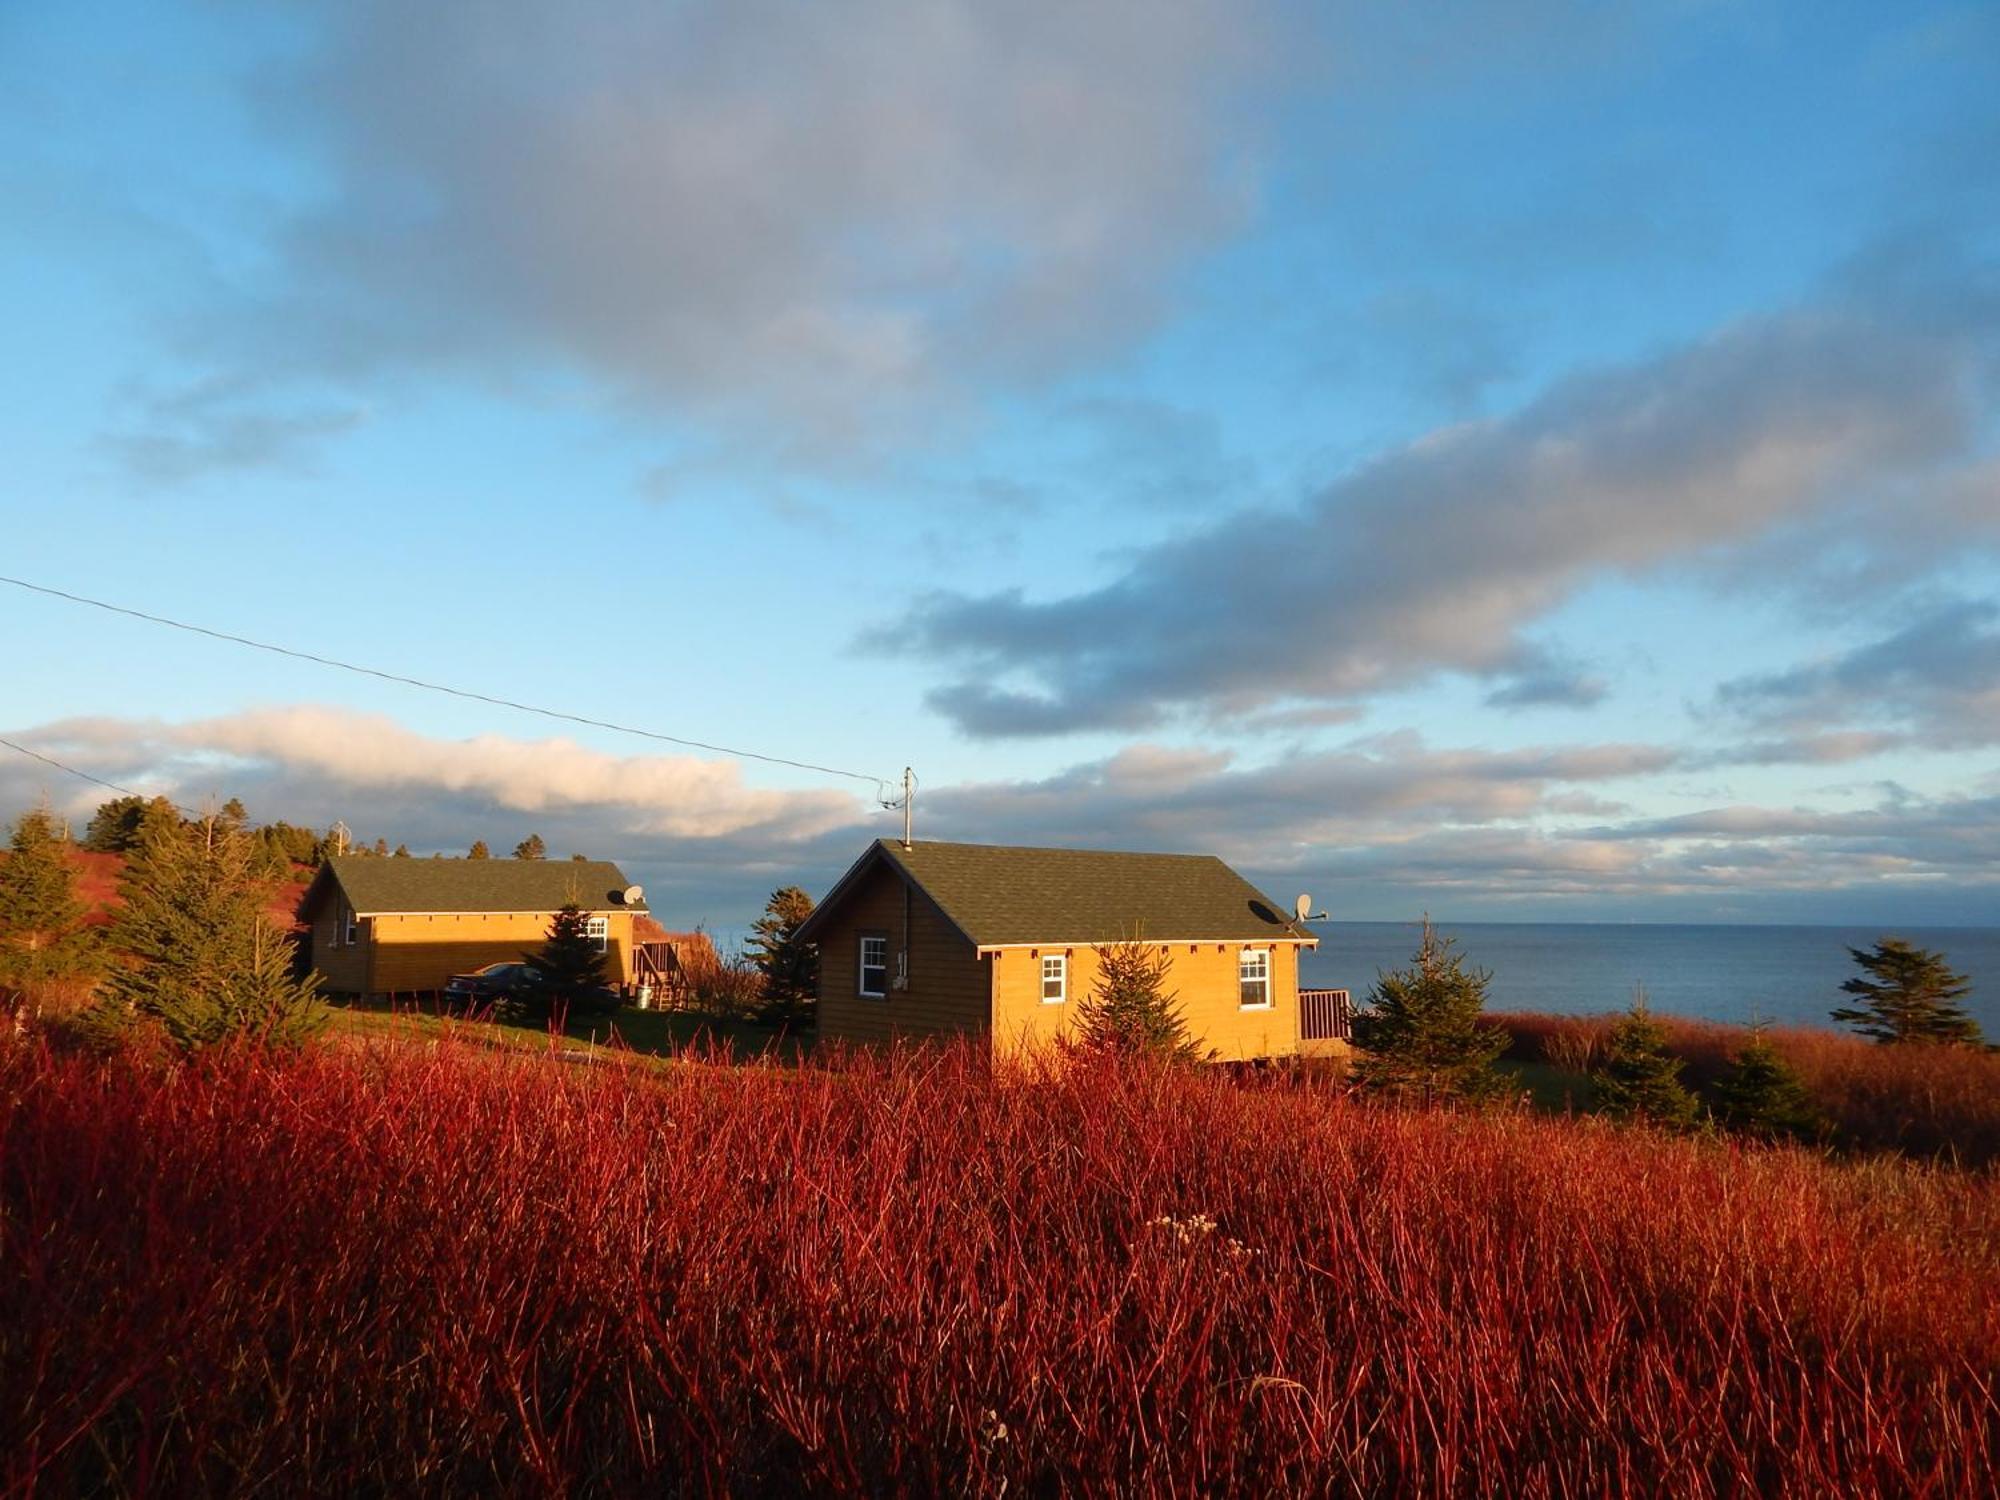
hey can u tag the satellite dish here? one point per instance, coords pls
(634, 894)
(1303, 906)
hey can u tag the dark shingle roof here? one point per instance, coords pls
(998, 895)
(375, 884)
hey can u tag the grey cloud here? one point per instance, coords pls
(220, 427)
(811, 220)
(1543, 679)
(1435, 557)
(1935, 683)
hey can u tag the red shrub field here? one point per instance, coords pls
(406, 1268)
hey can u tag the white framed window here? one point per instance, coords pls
(350, 926)
(873, 980)
(1253, 978)
(598, 930)
(1055, 978)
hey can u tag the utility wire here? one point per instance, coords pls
(879, 782)
(49, 760)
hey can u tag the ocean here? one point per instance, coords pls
(1789, 975)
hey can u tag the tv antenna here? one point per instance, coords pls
(906, 802)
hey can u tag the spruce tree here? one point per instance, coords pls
(531, 847)
(114, 827)
(1908, 994)
(1130, 1010)
(479, 850)
(790, 967)
(402, 852)
(45, 947)
(1762, 1095)
(569, 968)
(206, 962)
(1638, 1078)
(1423, 1036)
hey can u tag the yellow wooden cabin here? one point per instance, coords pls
(386, 926)
(937, 939)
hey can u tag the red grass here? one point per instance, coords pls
(401, 1268)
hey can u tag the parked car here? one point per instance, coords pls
(484, 986)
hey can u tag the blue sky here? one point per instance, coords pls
(1531, 461)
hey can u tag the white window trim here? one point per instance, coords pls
(350, 927)
(598, 930)
(1265, 1003)
(862, 966)
(1061, 961)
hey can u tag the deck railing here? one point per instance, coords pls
(1325, 1016)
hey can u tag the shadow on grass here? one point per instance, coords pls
(654, 1033)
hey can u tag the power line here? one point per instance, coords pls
(879, 782)
(49, 760)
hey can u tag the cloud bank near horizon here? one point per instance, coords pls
(1384, 825)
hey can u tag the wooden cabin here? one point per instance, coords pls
(384, 926)
(936, 939)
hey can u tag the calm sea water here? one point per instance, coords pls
(1780, 974)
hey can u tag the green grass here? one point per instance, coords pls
(658, 1033)
(1550, 1089)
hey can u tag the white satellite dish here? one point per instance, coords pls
(634, 894)
(1303, 906)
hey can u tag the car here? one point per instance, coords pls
(494, 982)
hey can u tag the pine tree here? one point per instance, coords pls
(1762, 1095)
(569, 969)
(381, 848)
(1909, 994)
(479, 850)
(531, 847)
(1424, 1036)
(790, 967)
(402, 852)
(114, 827)
(1639, 1079)
(1130, 1010)
(207, 963)
(234, 813)
(45, 948)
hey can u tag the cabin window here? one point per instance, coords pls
(1253, 978)
(874, 978)
(1055, 978)
(598, 930)
(350, 926)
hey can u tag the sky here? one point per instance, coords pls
(1528, 462)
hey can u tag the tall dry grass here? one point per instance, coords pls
(397, 1269)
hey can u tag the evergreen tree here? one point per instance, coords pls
(207, 963)
(479, 850)
(531, 847)
(234, 813)
(114, 827)
(569, 968)
(381, 848)
(1638, 1077)
(44, 945)
(1424, 1036)
(1130, 1009)
(402, 852)
(790, 967)
(1762, 1095)
(1908, 994)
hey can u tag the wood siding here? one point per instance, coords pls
(1202, 976)
(342, 967)
(412, 953)
(949, 992)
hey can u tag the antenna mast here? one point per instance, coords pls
(909, 802)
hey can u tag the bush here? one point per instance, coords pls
(401, 1270)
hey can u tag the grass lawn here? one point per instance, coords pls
(659, 1033)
